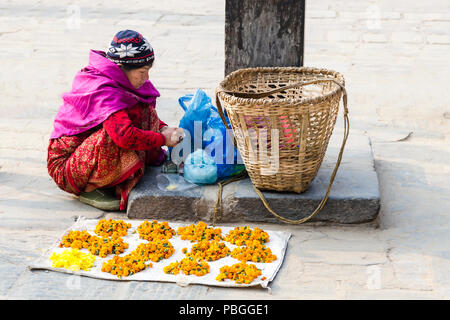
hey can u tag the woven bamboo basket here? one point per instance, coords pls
(282, 120)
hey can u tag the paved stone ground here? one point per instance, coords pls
(394, 55)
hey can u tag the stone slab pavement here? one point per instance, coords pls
(394, 56)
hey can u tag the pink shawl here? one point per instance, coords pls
(98, 90)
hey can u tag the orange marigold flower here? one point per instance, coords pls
(199, 232)
(253, 251)
(103, 246)
(75, 239)
(154, 230)
(241, 235)
(100, 246)
(209, 250)
(154, 251)
(124, 266)
(114, 228)
(188, 266)
(239, 272)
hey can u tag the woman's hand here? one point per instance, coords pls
(173, 135)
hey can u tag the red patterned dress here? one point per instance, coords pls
(112, 154)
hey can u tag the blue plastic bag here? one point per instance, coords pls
(200, 168)
(208, 132)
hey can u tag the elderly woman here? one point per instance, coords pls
(107, 128)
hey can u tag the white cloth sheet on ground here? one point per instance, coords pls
(278, 241)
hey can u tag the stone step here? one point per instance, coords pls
(354, 197)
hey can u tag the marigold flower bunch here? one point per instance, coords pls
(241, 235)
(240, 272)
(114, 228)
(155, 250)
(155, 230)
(209, 250)
(72, 259)
(98, 246)
(253, 251)
(200, 232)
(188, 266)
(134, 261)
(125, 266)
(103, 246)
(76, 239)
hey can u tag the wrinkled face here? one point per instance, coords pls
(138, 76)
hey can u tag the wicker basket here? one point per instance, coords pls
(282, 120)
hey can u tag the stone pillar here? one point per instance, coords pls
(264, 33)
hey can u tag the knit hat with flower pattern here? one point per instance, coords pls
(131, 48)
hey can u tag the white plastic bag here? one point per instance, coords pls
(173, 182)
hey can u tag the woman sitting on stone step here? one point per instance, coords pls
(107, 128)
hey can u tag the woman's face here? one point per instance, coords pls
(138, 76)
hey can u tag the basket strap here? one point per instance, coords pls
(341, 151)
(221, 184)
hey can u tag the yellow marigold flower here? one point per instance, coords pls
(72, 259)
